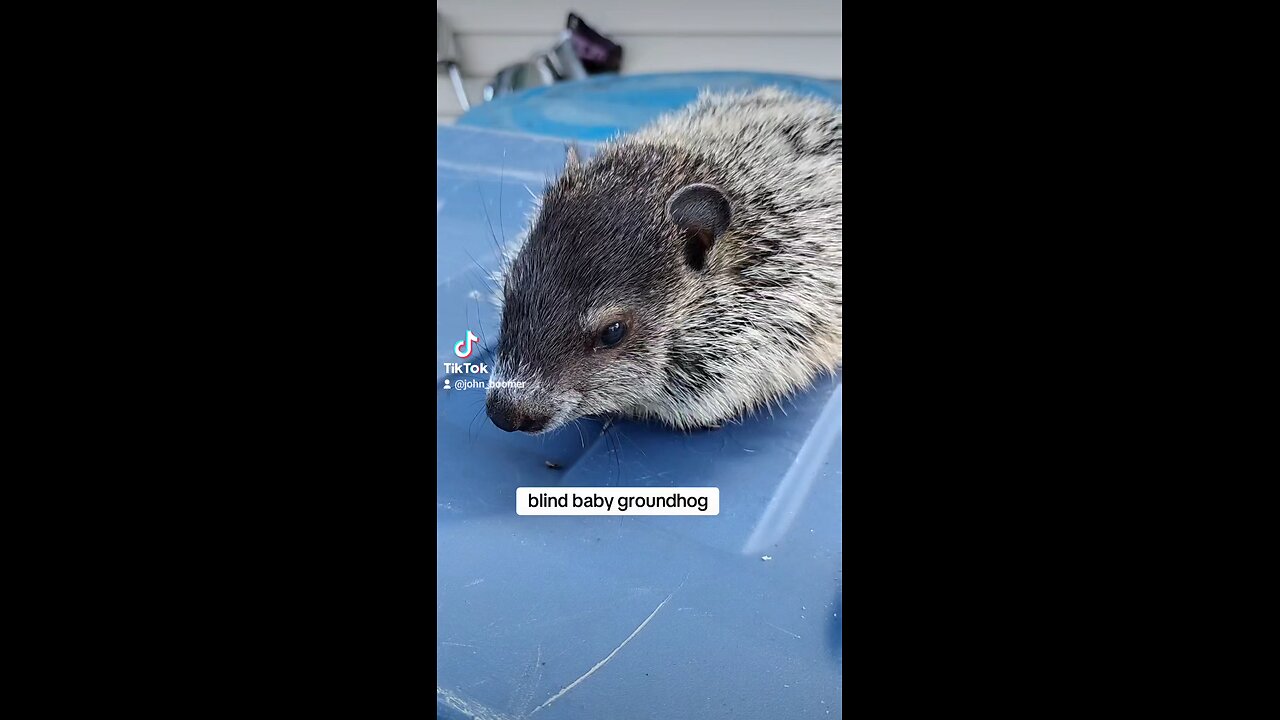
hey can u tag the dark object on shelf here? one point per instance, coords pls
(546, 68)
(579, 53)
(598, 53)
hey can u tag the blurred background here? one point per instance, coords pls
(486, 49)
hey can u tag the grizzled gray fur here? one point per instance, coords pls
(688, 273)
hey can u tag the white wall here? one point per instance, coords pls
(788, 36)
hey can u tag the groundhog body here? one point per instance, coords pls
(688, 273)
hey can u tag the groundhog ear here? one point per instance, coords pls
(703, 212)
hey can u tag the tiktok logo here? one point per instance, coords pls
(468, 342)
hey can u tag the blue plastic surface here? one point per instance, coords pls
(599, 107)
(527, 606)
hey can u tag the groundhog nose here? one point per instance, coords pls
(533, 423)
(511, 418)
(502, 414)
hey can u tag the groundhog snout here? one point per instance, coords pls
(511, 416)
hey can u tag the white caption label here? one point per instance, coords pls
(617, 501)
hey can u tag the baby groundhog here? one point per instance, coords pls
(688, 273)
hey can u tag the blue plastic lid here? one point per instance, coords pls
(732, 617)
(598, 108)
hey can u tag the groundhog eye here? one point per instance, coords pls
(613, 334)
